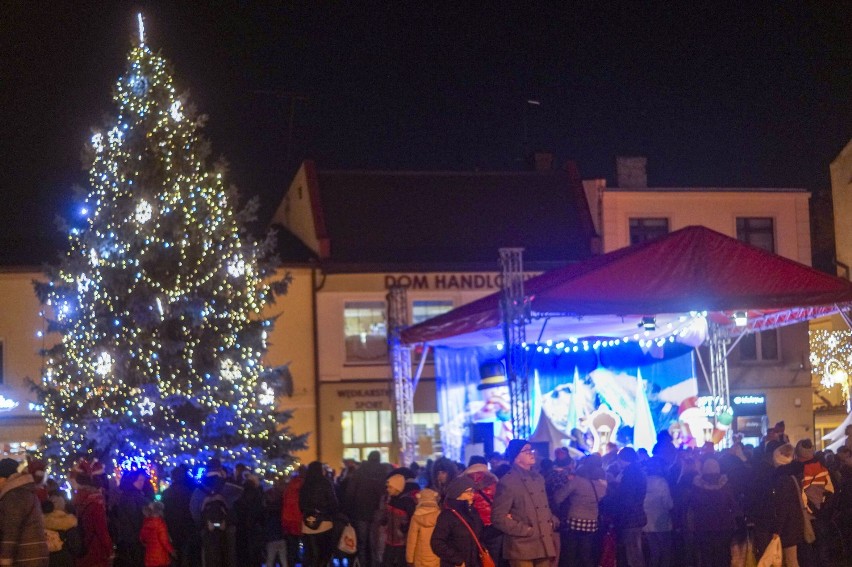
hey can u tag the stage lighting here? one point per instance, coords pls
(740, 318)
(649, 323)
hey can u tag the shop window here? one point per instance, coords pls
(366, 431)
(762, 346)
(643, 229)
(757, 231)
(421, 310)
(427, 432)
(365, 332)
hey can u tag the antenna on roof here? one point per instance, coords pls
(141, 28)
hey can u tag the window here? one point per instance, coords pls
(365, 332)
(422, 310)
(757, 231)
(642, 230)
(366, 431)
(759, 346)
(427, 432)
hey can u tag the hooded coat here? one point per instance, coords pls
(443, 465)
(713, 505)
(21, 524)
(154, 535)
(65, 526)
(91, 513)
(418, 550)
(485, 488)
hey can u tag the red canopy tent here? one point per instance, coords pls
(692, 269)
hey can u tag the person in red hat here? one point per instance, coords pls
(90, 505)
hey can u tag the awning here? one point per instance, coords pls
(694, 269)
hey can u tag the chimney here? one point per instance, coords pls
(632, 172)
(543, 161)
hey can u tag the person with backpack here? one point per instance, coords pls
(62, 533)
(318, 505)
(154, 535)
(90, 504)
(395, 518)
(218, 545)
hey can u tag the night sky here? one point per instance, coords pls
(713, 94)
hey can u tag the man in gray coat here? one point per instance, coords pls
(521, 511)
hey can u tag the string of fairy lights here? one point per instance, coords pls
(831, 358)
(159, 297)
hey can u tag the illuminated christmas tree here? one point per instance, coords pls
(159, 300)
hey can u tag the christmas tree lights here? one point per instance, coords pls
(159, 298)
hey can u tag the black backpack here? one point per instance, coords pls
(214, 513)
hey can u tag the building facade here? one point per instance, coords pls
(771, 365)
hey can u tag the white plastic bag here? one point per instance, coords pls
(348, 542)
(773, 556)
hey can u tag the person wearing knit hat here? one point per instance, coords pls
(21, 521)
(395, 520)
(452, 539)
(715, 510)
(395, 484)
(514, 449)
(778, 508)
(522, 512)
(8, 467)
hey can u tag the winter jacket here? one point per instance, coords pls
(364, 491)
(396, 517)
(485, 487)
(816, 484)
(126, 516)
(713, 506)
(775, 505)
(443, 465)
(176, 514)
(451, 541)
(580, 498)
(626, 500)
(658, 505)
(418, 549)
(317, 499)
(291, 515)
(521, 511)
(155, 537)
(21, 524)
(788, 519)
(64, 526)
(92, 516)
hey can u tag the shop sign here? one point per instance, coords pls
(447, 281)
(7, 404)
(357, 394)
(749, 404)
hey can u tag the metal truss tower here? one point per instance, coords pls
(403, 384)
(514, 306)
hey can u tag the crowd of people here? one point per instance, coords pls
(674, 507)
